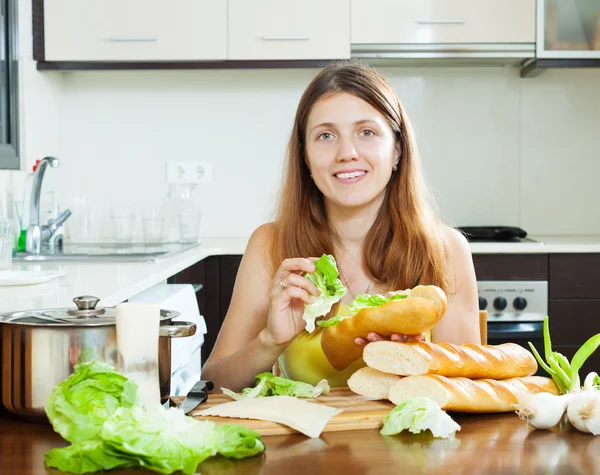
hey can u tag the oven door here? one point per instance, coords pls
(520, 333)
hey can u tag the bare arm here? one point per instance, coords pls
(263, 316)
(239, 354)
(460, 324)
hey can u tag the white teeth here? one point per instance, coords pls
(350, 175)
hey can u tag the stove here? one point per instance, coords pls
(516, 311)
(513, 301)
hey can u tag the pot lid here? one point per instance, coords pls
(86, 314)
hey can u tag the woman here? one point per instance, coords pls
(354, 189)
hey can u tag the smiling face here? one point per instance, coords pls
(350, 150)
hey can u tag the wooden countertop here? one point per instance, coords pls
(486, 444)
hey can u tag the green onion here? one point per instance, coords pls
(563, 362)
(578, 360)
(592, 381)
(541, 362)
(561, 376)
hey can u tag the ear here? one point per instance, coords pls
(398, 153)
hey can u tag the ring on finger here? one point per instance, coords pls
(282, 285)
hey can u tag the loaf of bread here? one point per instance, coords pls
(467, 395)
(372, 383)
(507, 360)
(418, 313)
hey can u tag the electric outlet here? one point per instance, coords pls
(189, 171)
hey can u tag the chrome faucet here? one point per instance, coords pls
(36, 234)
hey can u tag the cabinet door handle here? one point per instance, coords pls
(286, 38)
(132, 39)
(441, 22)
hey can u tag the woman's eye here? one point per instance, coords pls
(325, 136)
(368, 133)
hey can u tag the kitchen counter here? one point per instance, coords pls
(541, 245)
(112, 282)
(486, 444)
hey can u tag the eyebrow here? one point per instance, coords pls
(331, 124)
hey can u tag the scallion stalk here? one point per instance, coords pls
(579, 359)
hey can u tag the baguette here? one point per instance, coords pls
(504, 361)
(372, 383)
(418, 313)
(467, 395)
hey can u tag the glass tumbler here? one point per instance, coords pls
(6, 244)
(123, 222)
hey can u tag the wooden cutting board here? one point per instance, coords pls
(358, 413)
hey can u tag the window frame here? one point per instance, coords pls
(9, 104)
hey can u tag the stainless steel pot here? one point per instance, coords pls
(39, 349)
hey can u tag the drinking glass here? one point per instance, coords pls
(6, 244)
(190, 221)
(123, 222)
(153, 223)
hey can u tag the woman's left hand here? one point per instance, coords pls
(394, 336)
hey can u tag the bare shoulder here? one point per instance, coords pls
(259, 243)
(460, 258)
(456, 241)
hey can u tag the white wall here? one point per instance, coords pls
(497, 149)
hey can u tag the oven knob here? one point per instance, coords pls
(520, 303)
(500, 303)
(482, 303)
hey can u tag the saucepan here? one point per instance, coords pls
(39, 349)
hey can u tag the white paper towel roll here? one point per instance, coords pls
(137, 344)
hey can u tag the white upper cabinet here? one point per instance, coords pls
(442, 21)
(289, 29)
(135, 30)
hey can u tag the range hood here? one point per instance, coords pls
(439, 54)
(567, 35)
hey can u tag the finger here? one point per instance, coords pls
(297, 293)
(361, 341)
(295, 265)
(372, 336)
(415, 337)
(302, 282)
(398, 337)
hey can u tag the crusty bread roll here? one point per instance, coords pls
(507, 360)
(372, 383)
(419, 312)
(467, 395)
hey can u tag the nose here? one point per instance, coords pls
(347, 150)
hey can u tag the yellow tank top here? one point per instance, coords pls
(304, 360)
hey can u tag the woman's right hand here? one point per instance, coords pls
(289, 292)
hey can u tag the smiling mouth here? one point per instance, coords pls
(350, 175)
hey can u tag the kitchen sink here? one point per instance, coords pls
(101, 252)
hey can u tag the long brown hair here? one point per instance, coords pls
(406, 243)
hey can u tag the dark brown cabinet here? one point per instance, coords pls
(574, 304)
(217, 275)
(573, 280)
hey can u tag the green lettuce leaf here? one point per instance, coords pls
(100, 412)
(267, 384)
(78, 406)
(417, 415)
(326, 279)
(236, 441)
(85, 457)
(360, 302)
(159, 439)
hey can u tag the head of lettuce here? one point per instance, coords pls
(325, 277)
(98, 410)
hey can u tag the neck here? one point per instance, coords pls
(352, 224)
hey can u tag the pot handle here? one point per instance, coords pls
(177, 329)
